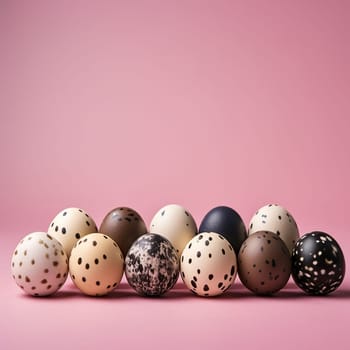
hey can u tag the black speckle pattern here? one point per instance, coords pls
(152, 265)
(208, 264)
(37, 265)
(318, 264)
(69, 226)
(264, 263)
(276, 219)
(96, 264)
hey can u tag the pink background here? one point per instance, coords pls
(145, 103)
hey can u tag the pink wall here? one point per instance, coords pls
(144, 103)
(198, 103)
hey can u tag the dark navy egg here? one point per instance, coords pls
(228, 223)
(151, 265)
(318, 265)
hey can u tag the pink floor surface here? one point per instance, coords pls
(178, 320)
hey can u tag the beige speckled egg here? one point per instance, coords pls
(208, 264)
(176, 224)
(69, 225)
(96, 264)
(276, 219)
(39, 264)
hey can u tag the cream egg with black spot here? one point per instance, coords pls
(96, 264)
(176, 224)
(208, 264)
(274, 218)
(39, 264)
(69, 225)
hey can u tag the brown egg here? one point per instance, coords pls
(264, 263)
(124, 225)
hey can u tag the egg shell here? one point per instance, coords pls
(176, 224)
(96, 264)
(276, 219)
(39, 264)
(318, 264)
(69, 225)
(124, 225)
(228, 223)
(152, 265)
(208, 264)
(264, 263)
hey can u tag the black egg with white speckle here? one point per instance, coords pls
(318, 264)
(152, 265)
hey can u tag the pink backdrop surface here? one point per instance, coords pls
(145, 103)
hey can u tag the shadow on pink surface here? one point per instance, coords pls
(238, 291)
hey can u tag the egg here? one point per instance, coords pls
(175, 223)
(264, 263)
(124, 225)
(208, 264)
(39, 264)
(228, 223)
(318, 265)
(151, 265)
(69, 225)
(96, 264)
(276, 219)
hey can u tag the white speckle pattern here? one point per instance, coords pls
(327, 260)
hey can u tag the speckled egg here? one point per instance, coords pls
(152, 265)
(318, 264)
(39, 264)
(264, 263)
(276, 219)
(208, 264)
(228, 223)
(96, 264)
(124, 225)
(175, 223)
(69, 225)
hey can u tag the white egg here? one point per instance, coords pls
(276, 219)
(208, 264)
(39, 264)
(96, 264)
(175, 223)
(69, 225)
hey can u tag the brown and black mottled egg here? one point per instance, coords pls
(318, 264)
(124, 225)
(152, 265)
(96, 264)
(69, 225)
(208, 264)
(39, 264)
(264, 263)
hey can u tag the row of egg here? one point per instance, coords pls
(208, 259)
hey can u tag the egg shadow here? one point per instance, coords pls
(237, 292)
(61, 294)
